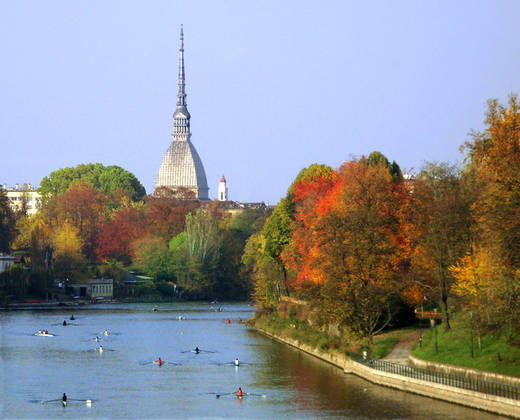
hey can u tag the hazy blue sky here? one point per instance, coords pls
(272, 86)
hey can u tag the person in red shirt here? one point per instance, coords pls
(240, 394)
(159, 361)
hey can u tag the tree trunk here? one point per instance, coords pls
(445, 313)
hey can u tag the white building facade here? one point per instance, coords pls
(26, 195)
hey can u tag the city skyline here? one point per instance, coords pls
(272, 87)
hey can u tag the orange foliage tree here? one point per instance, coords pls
(357, 247)
(494, 265)
(81, 206)
(116, 236)
(307, 190)
(166, 216)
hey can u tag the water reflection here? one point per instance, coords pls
(319, 386)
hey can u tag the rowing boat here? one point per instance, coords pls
(40, 333)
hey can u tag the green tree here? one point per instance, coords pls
(153, 257)
(267, 274)
(376, 158)
(107, 179)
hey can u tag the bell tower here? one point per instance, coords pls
(222, 189)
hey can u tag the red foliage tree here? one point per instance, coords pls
(116, 236)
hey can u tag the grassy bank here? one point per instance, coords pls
(305, 333)
(454, 348)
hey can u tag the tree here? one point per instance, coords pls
(153, 257)
(357, 241)
(115, 237)
(376, 158)
(69, 261)
(107, 179)
(7, 222)
(441, 232)
(83, 207)
(266, 273)
(491, 273)
(166, 217)
(495, 153)
(277, 233)
(313, 183)
(202, 252)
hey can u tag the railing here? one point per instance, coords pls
(471, 384)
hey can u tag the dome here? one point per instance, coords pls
(181, 167)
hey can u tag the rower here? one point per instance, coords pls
(64, 400)
(105, 332)
(100, 348)
(197, 350)
(64, 323)
(237, 363)
(240, 394)
(72, 317)
(96, 339)
(159, 361)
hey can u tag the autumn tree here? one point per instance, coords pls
(492, 271)
(116, 236)
(69, 261)
(166, 216)
(83, 207)
(357, 248)
(310, 186)
(441, 232)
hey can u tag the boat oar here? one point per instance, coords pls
(87, 401)
(48, 401)
(256, 395)
(221, 395)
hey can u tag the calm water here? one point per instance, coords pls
(33, 369)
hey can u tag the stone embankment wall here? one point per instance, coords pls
(473, 399)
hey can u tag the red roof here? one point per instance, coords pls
(222, 179)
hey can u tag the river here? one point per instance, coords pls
(123, 383)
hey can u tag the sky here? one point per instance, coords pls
(273, 86)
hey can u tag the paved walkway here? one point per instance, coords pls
(403, 348)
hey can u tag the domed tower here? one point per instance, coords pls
(222, 190)
(181, 166)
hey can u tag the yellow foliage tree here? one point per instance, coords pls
(69, 261)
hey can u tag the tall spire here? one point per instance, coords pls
(181, 116)
(181, 96)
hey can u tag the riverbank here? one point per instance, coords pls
(418, 385)
(462, 347)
